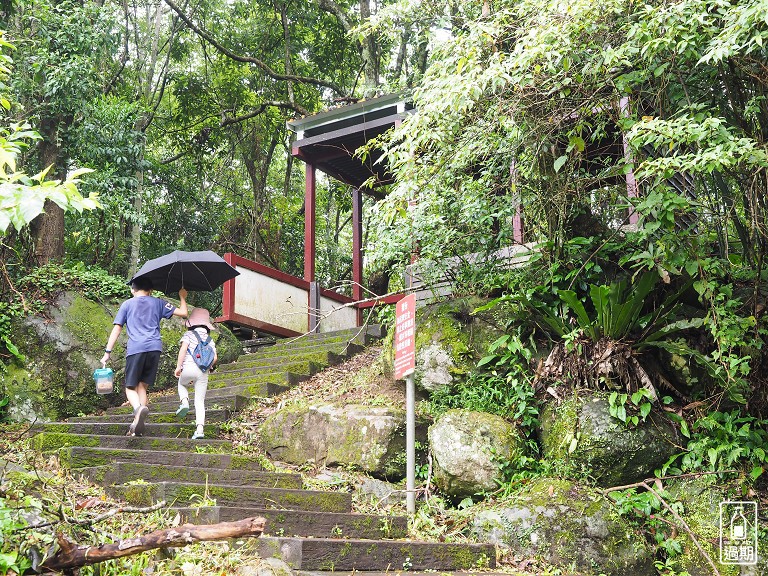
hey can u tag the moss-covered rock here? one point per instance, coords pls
(450, 339)
(371, 439)
(467, 449)
(569, 526)
(700, 500)
(63, 347)
(582, 432)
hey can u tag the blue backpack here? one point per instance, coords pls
(203, 352)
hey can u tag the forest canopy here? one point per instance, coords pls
(629, 136)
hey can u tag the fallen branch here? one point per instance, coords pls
(72, 555)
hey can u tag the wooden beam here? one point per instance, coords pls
(375, 127)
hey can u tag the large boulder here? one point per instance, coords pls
(371, 439)
(450, 339)
(569, 526)
(62, 348)
(582, 431)
(467, 449)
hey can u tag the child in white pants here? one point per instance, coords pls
(188, 372)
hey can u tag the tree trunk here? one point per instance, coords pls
(48, 228)
(369, 52)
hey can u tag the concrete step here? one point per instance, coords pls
(182, 493)
(252, 370)
(303, 523)
(156, 417)
(48, 441)
(169, 403)
(360, 335)
(386, 555)
(257, 390)
(121, 472)
(473, 572)
(82, 456)
(176, 430)
(342, 348)
(282, 378)
(321, 358)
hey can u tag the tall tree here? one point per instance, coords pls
(65, 55)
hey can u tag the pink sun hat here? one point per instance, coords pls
(199, 317)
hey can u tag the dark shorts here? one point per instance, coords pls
(141, 367)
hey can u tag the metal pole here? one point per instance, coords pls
(410, 443)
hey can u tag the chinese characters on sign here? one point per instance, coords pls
(738, 533)
(405, 337)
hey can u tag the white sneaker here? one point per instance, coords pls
(198, 435)
(183, 409)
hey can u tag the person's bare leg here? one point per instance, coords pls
(133, 397)
(141, 389)
(138, 399)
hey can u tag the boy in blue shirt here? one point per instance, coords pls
(142, 315)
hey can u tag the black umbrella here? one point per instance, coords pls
(195, 271)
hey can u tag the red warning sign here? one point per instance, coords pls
(405, 337)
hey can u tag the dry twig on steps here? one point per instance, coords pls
(72, 555)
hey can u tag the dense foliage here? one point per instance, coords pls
(631, 137)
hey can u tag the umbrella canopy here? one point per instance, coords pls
(195, 271)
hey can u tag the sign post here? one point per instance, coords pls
(405, 364)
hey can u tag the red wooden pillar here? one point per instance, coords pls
(309, 223)
(357, 250)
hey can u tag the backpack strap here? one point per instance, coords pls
(200, 340)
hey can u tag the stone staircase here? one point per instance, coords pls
(310, 530)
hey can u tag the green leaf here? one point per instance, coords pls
(559, 162)
(645, 409)
(756, 472)
(621, 413)
(30, 207)
(486, 359)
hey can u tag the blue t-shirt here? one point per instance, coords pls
(142, 315)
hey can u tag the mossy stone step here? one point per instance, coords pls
(169, 417)
(121, 472)
(342, 348)
(180, 493)
(237, 379)
(472, 572)
(165, 403)
(252, 362)
(295, 366)
(303, 351)
(304, 523)
(48, 441)
(82, 456)
(257, 390)
(163, 430)
(348, 334)
(327, 554)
